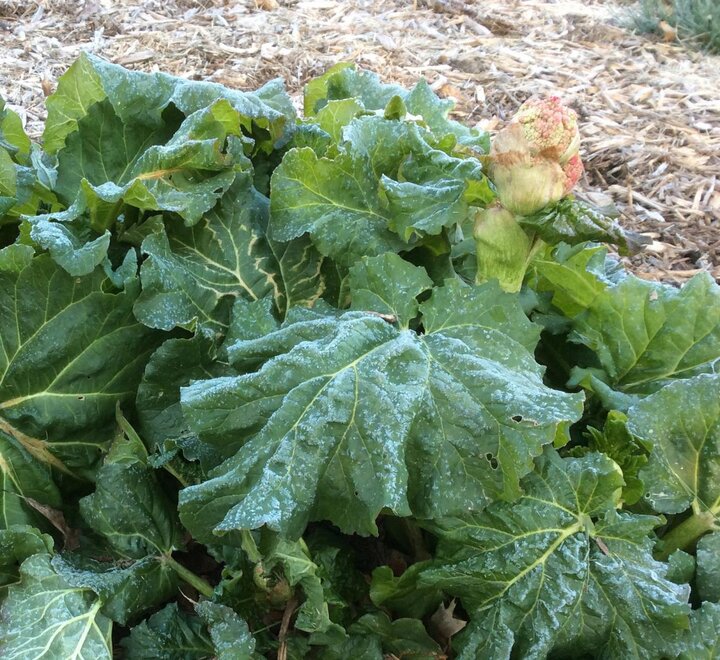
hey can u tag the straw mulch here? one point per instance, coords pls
(650, 111)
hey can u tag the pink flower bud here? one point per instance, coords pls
(534, 159)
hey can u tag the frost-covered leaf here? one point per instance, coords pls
(388, 285)
(647, 334)
(708, 567)
(384, 178)
(71, 349)
(70, 241)
(230, 635)
(434, 190)
(129, 507)
(572, 221)
(46, 617)
(172, 366)
(560, 570)
(682, 422)
(192, 274)
(344, 81)
(17, 543)
(299, 279)
(628, 451)
(125, 590)
(349, 415)
(148, 99)
(417, 207)
(170, 634)
(702, 640)
(334, 201)
(111, 163)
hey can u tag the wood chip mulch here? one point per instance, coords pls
(649, 110)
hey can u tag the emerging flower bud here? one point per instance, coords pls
(534, 159)
(549, 128)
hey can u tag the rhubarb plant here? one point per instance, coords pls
(364, 382)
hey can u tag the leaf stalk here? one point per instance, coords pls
(185, 574)
(685, 535)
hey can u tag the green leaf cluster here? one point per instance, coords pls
(254, 404)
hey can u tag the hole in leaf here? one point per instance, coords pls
(517, 418)
(494, 464)
(488, 456)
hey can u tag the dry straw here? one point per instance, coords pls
(650, 111)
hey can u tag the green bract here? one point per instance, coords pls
(347, 385)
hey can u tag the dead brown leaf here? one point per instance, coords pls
(71, 537)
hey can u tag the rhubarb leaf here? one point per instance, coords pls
(560, 570)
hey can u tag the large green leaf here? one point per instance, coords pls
(45, 617)
(385, 179)
(71, 349)
(349, 415)
(174, 365)
(128, 507)
(572, 221)
(647, 334)
(146, 99)
(334, 200)
(343, 81)
(125, 590)
(682, 421)
(433, 191)
(702, 640)
(112, 163)
(192, 275)
(560, 570)
(388, 285)
(17, 543)
(708, 567)
(171, 634)
(12, 134)
(575, 279)
(23, 478)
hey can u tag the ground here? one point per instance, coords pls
(649, 110)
